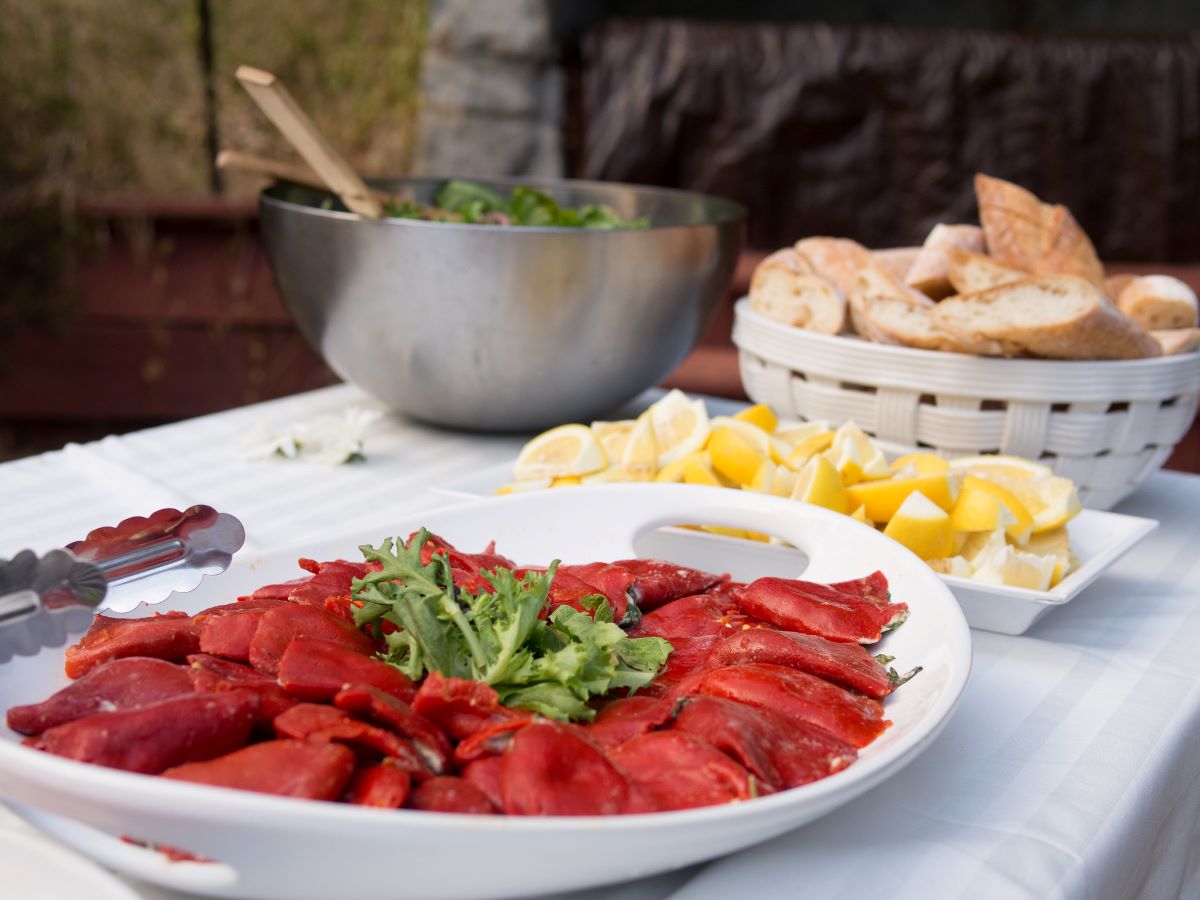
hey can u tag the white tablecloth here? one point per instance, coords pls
(1071, 768)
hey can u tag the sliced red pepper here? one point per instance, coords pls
(615, 583)
(157, 736)
(447, 793)
(332, 578)
(487, 774)
(626, 718)
(285, 768)
(324, 724)
(121, 684)
(279, 625)
(316, 669)
(846, 664)
(552, 770)
(170, 636)
(681, 771)
(461, 707)
(688, 655)
(211, 674)
(800, 696)
(701, 615)
(656, 582)
(229, 633)
(780, 751)
(426, 738)
(852, 611)
(492, 740)
(384, 785)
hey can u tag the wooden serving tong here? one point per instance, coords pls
(329, 169)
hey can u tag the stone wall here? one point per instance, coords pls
(491, 90)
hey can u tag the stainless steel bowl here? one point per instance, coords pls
(496, 328)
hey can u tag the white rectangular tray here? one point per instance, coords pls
(1098, 539)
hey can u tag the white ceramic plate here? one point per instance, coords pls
(1098, 539)
(272, 847)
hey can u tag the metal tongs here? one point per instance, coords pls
(116, 568)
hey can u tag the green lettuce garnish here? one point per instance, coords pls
(551, 666)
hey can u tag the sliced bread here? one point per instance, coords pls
(1177, 340)
(784, 288)
(837, 259)
(896, 261)
(973, 272)
(1052, 316)
(1027, 234)
(1159, 302)
(890, 320)
(930, 271)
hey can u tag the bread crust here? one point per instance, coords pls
(1022, 232)
(930, 271)
(838, 259)
(1158, 302)
(1098, 330)
(973, 272)
(784, 288)
(896, 261)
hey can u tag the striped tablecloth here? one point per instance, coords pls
(1071, 769)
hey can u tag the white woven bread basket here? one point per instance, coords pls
(1106, 425)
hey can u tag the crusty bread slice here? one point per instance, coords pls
(1177, 340)
(973, 272)
(891, 320)
(1053, 316)
(784, 288)
(1159, 302)
(1012, 222)
(930, 272)
(837, 259)
(896, 261)
(1027, 234)
(1068, 249)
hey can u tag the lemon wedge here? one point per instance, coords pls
(920, 464)
(1056, 544)
(855, 456)
(860, 513)
(951, 565)
(733, 456)
(697, 470)
(725, 531)
(1016, 568)
(882, 498)
(759, 415)
(680, 426)
(565, 450)
(672, 473)
(565, 481)
(614, 475)
(794, 434)
(979, 545)
(806, 449)
(1003, 467)
(613, 436)
(1051, 501)
(819, 484)
(922, 526)
(773, 479)
(985, 505)
(639, 455)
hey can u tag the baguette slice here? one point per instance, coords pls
(1012, 222)
(837, 259)
(1052, 316)
(890, 320)
(1176, 341)
(896, 261)
(974, 272)
(784, 288)
(1159, 302)
(930, 272)
(1027, 234)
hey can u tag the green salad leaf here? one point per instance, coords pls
(552, 666)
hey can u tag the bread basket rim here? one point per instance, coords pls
(855, 360)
